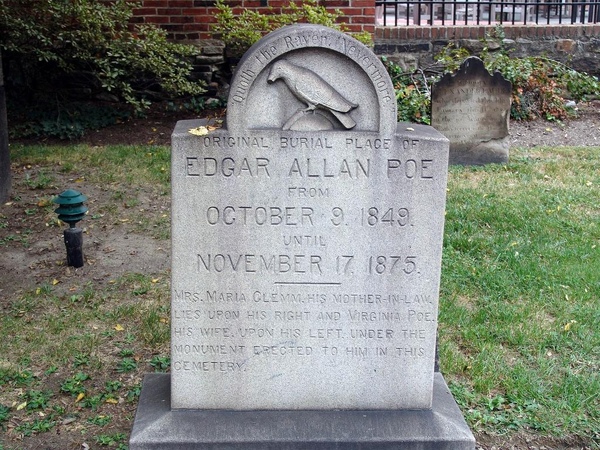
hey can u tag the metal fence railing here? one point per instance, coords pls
(485, 12)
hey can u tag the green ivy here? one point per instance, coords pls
(67, 120)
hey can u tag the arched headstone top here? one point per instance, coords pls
(308, 77)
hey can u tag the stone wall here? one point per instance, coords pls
(578, 45)
(410, 46)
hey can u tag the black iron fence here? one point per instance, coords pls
(485, 12)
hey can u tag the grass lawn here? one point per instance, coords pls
(520, 300)
(519, 327)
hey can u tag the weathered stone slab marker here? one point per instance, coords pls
(472, 109)
(307, 235)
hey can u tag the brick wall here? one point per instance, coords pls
(192, 19)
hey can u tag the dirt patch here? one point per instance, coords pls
(33, 252)
(583, 130)
(524, 441)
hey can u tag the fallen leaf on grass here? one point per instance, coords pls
(21, 406)
(112, 401)
(79, 397)
(119, 327)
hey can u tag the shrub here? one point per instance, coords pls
(92, 45)
(240, 31)
(541, 86)
(413, 93)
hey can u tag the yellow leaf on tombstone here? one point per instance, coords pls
(199, 131)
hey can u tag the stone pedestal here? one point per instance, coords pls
(306, 256)
(158, 427)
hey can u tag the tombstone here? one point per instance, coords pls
(472, 109)
(307, 235)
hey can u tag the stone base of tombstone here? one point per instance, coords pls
(156, 426)
(494, 151)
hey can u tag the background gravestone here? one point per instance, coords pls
(307, 236)
(472, 109)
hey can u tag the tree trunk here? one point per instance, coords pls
(5, 179)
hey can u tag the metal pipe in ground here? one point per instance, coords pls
(74, 243)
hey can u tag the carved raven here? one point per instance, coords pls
(310, 88)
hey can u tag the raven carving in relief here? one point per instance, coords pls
(310, 88)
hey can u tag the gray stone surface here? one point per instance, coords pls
(306, 268)
(159, 427)
(472, 109)
(307, 237)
